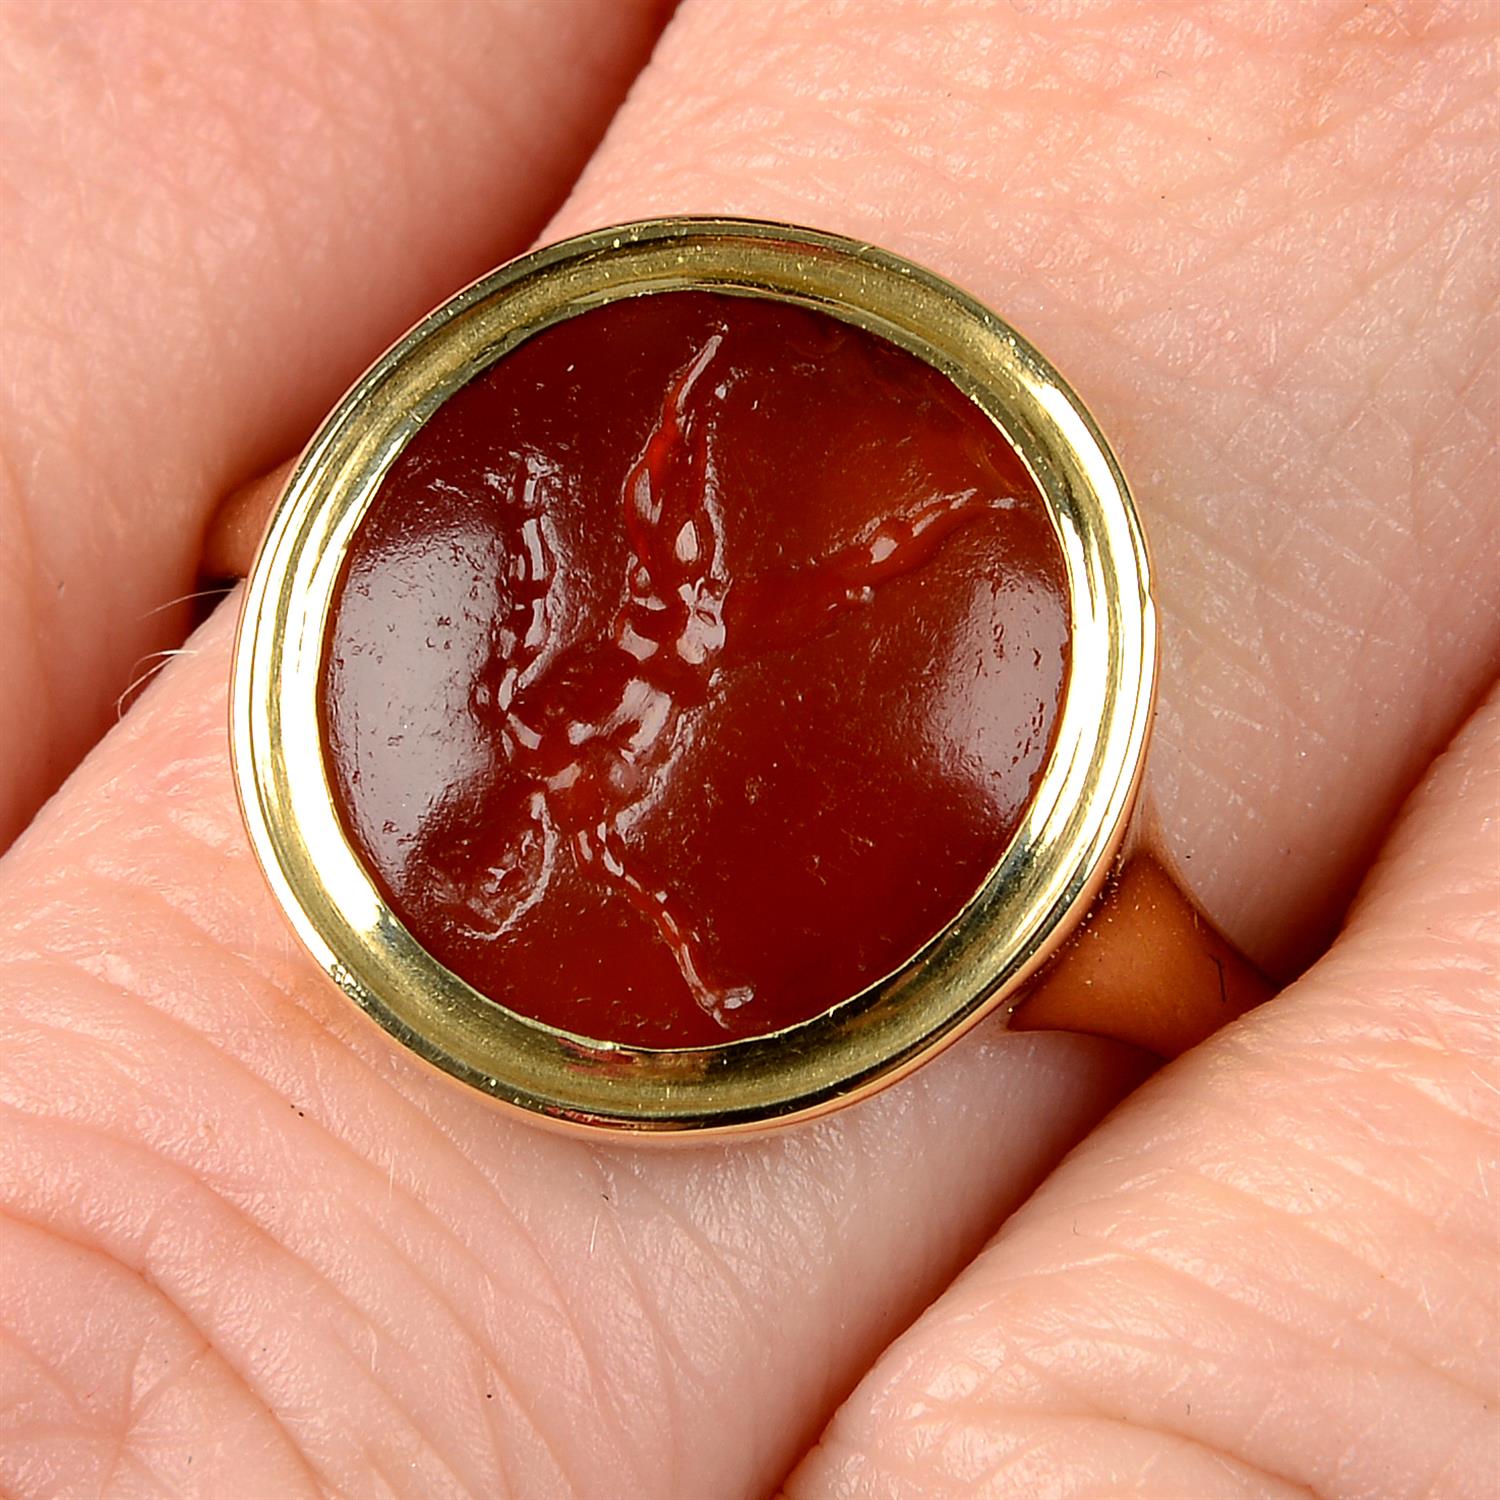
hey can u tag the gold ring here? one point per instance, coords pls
(1041, 883)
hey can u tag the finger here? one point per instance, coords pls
(1255, 239)
(314, 1265)
(215, 214)
(820, 129)
(1272, 1272)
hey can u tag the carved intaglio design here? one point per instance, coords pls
(766, 692)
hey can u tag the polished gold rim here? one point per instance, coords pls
(1036, 892)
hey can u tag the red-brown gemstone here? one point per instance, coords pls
(692, 667)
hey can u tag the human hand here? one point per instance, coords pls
(251, 1249)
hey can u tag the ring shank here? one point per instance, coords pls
(1145, 966)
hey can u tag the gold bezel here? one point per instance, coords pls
(1042, 882)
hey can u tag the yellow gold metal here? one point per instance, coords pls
(1038, 889)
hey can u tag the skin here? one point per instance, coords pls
(168, 251)
(254, 1249)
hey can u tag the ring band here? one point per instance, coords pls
(1041, 884)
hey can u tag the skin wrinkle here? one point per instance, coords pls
(1450, 1110)
(1173, 1446)
(506, 1468)
(45, 1405)
(1080, 1403)
(566, 1301)
(140, 1407)
(34, 1360)
(765, 1203)
(827, 1215)
(738, 1296)
(1365, 1180)
(150, 1288)
(492, 1370)
(1201, 1124)
(831, 1385)
(1078, 1432)
(429, 1442)
(598, 1388)
(1280, 1293)
(605, 1398)
(492, 1357)
(1103, 1345)
(176, 1291)
(666, 1352)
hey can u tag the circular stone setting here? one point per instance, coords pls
(692, 667)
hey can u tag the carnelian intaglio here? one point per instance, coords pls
(692, 668)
